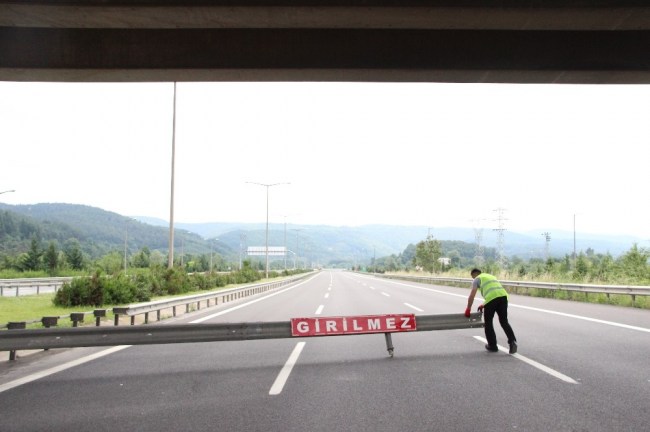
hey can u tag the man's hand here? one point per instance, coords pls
(480, 308)
(467, 312)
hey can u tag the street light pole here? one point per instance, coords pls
(170, 260)
(267, 221)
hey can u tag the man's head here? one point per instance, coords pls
(475, 272)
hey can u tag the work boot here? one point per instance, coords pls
(491, 348)
(513, 347)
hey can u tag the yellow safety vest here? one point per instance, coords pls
(491, 288)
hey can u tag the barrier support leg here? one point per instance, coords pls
(389, 344)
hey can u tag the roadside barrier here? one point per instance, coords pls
(132, 311)
(28, 286)
(50, 338)
(631, 290)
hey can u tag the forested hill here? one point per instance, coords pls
(98, 231)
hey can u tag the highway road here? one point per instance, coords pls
(580, 367)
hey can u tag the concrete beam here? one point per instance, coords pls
(561, 41)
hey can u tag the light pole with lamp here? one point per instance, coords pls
(267, 220)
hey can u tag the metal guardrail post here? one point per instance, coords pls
(99, 314)
(76, 318)
(49, 321)
(15, 326)
(389, 344)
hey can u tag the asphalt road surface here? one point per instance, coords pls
(580, 367)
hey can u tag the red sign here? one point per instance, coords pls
(352, 325)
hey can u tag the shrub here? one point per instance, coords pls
(81, 292)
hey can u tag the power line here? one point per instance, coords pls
(547, 236)
(500, 229)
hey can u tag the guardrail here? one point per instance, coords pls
(192, 333)
(132, 311)
(225, 295)
(13, 287)
(631, 290)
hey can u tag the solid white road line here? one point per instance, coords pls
(413, 307)
(51, 371)
(223, 312)
(533, 363)
(320, 309)
(584, 318)
(281, 380)
(611, 323)
(77, 362)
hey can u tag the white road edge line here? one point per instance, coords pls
(611, 323)
(320, 309)
(77, 362)
(223, 312)
(533, 363)
(52, 371)
(281, 380)
(413, 307)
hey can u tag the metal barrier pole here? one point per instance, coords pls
(389, 344)
(15, 326)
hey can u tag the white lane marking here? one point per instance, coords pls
(281, 380)
(533, 363)
(51, 371)
(611, 323)
(320, 309)
(329, 288)
(327, 295)
(413, 307)
(580, 317)
(223, 312)
(372, 287)
(77, 362)
(385, 294)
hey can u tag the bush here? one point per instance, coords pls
(121, 289)
(81, 292)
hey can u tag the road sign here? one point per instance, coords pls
(301, 327)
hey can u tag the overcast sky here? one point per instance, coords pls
(354, 153)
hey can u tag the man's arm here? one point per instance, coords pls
(470, 299)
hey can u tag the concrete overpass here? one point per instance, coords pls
(494, 41)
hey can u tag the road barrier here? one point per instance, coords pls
(587, 289)
(28, 286)
(50, 338)
(145, 309)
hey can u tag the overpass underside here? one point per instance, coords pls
(557, 41)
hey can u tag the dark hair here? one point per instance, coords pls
(475, 270)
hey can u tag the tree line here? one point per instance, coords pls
(433, 256)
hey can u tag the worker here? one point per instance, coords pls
(495, 299)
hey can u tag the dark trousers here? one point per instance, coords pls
(499, 306)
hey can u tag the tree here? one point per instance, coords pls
(142, 259)
(635, 263)
(51, 258)
(427, 253)
(111, 263)
(73, 254)
(32, 259)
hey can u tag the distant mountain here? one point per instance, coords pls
(100, 231)
(364, 242)
(97, 230)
